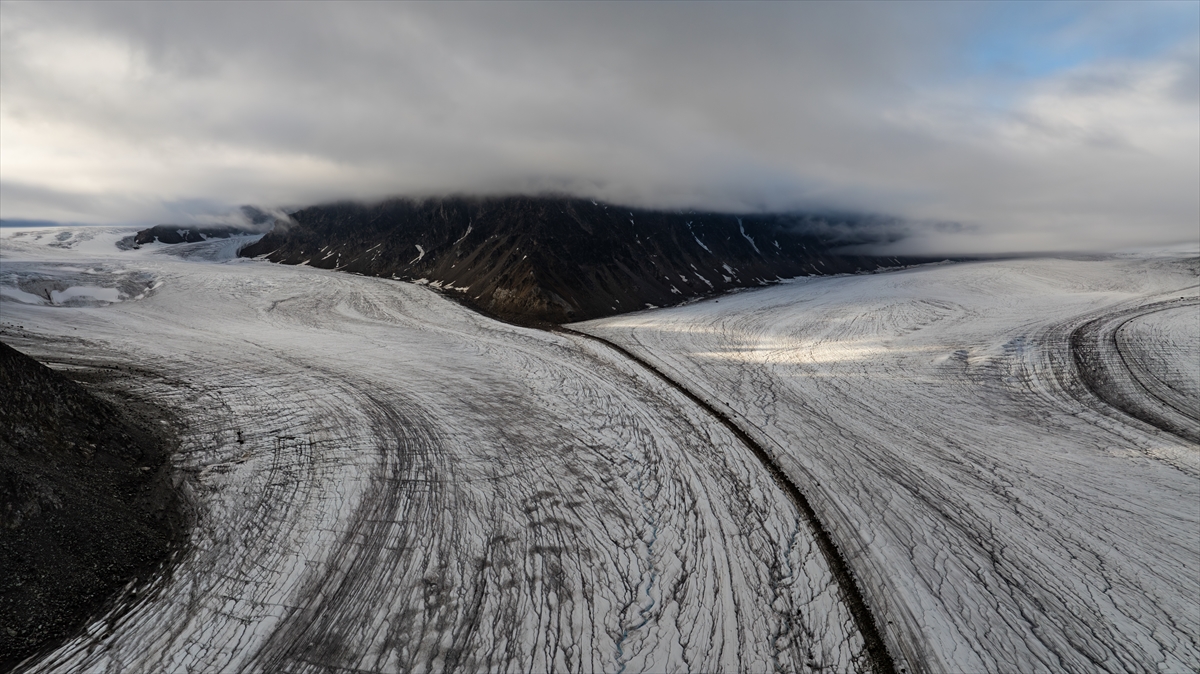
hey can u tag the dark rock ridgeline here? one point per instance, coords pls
(555, 260)
(256, 221)
(184, 234)
(86, 504)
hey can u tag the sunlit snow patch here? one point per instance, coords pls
(86, 294)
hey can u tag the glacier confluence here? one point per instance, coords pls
(384, 480)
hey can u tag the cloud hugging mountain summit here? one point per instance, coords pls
(555, 260)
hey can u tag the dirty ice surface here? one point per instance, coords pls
(1001, 513)
(383, 480)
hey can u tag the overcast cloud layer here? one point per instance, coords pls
(1034, 127)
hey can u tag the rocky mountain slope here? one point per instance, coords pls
(86, 503)
(184, 234)
(548, 259)
(252, 221)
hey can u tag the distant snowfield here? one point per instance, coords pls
(386, 481)
(1000, 515)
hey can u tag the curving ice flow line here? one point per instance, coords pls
(385, 481)
(996, 513)
(881, 660)
(1109, 364)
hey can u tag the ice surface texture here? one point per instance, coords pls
(1000, 512)
(386, 481)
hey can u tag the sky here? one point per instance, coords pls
(982, 127)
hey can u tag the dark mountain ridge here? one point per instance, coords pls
(185, 234)
(254, 221)
(87, 503)
(555, 260)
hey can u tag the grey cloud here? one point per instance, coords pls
(1187, 85)
(850, 106)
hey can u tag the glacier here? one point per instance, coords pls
(384, 480)
(1000, 514)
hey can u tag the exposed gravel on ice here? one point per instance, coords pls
(1000, 514)
(385, 481)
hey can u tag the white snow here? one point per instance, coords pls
(999, 516)
(420, 254)
(89, 292)
(747, 236)
(419, 483)
(689, 226)
(20, 295)
(1167, 346)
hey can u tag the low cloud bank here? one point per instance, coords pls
(974, 127)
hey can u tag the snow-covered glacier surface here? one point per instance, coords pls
(1004, 451)
(383, 480)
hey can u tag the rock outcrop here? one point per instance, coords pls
(86, 504)
(183, 234)
(554, 260)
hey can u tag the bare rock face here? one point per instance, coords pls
(255, 221)
(554, 260)
(86, 504)
(184, 234)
